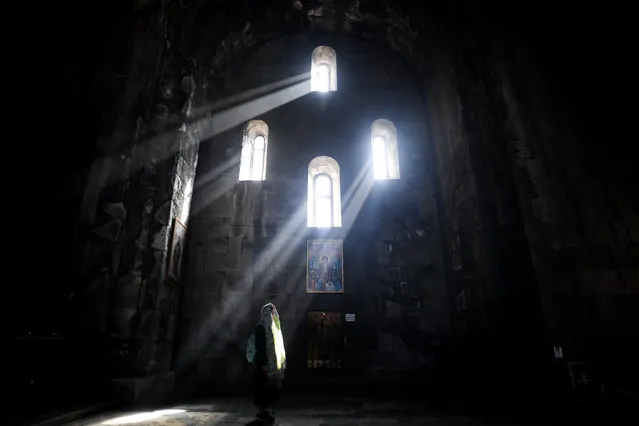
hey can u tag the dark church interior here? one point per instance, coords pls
(439, 196)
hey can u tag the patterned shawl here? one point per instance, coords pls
(275, 352)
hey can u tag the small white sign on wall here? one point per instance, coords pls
(559, 353)
(350, 318)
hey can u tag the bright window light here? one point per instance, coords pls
(323, 69)
(323, 213)
(323, 204)
(258, 142)
(258, 158)
(245, 162)
(380, 158)
(253, 156)
(324, 78)
(258, 165)
(384, 146)
(324, 201)
(323, 186)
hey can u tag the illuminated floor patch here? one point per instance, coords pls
(312, 412)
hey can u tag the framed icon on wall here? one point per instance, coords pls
(324, 266)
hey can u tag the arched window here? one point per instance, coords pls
(384, 146)
(323, 69)
(253, 157)
(324, 206)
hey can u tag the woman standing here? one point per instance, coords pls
(270, 361)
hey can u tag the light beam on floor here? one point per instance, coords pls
(142, 417)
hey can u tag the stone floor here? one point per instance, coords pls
(324, 411)
(308, 412)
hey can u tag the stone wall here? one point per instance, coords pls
(140, 182)
(538, 225)
(247, 240)
(582, 221)
(491, 278)
(539, 234)
(139, 177)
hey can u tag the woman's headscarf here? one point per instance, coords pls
(275, 352)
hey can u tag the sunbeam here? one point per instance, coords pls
(215, 184)
(276, 253)
(208, 121)
(209, 176)
(224, 120)
(248, 95)
(356, 196)
(219, 328)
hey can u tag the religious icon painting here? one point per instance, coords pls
(324, 266)
(176, 253)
